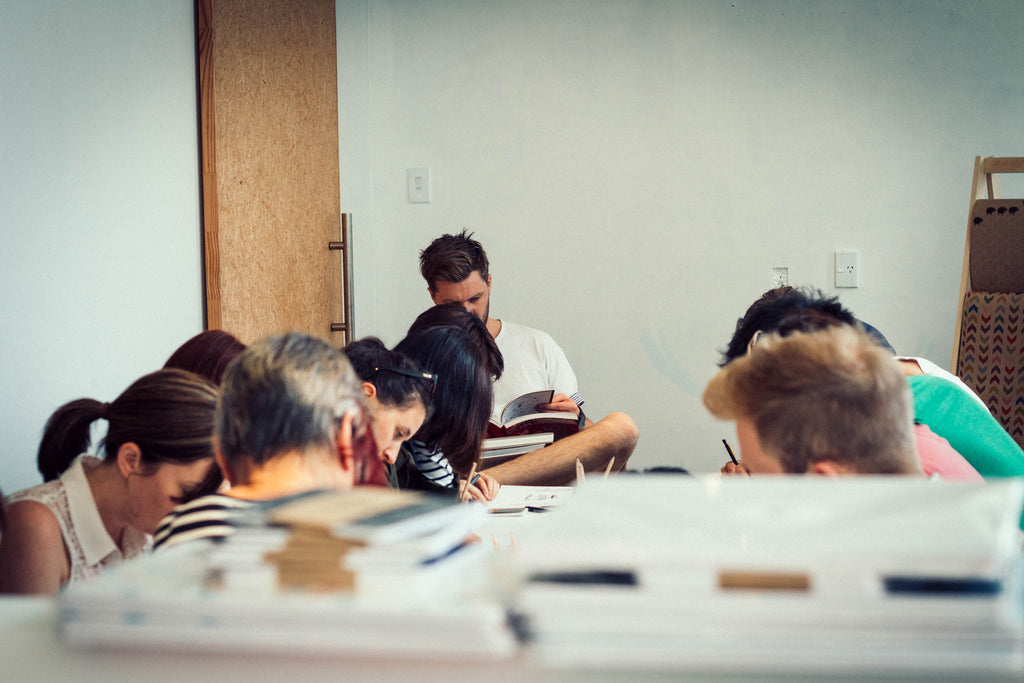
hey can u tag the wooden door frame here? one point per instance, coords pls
(208, 163)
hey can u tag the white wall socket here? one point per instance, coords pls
(847, 269)
(417, 185)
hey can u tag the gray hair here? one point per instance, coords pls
(284, 393)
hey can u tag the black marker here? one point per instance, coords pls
(729, 451)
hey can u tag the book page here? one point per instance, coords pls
(520, 497)
(526, 404)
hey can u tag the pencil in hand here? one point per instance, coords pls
(580, 473)
(464, 486)
(728, 450)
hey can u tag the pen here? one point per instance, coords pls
(729, 451)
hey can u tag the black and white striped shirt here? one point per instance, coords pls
(432, 464)
(209, 517)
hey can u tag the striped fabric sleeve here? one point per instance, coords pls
(432, 464)
(208, 517)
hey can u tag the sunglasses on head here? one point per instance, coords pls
(415, 374)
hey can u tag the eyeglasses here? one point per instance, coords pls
(415, 374)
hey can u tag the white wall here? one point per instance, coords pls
(635, 169)
(100, 268)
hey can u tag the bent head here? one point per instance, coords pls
(454, 315)
(462, 400)
(159, 437)
(207, 354)
(767, 313)
(473, 294)
(398, 392)
(293, 394)
(154, 493)
(828, 401)
(456, 270)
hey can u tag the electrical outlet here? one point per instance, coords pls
(847, 269)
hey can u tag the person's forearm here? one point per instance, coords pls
(613, 437)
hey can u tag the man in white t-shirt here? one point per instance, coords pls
(456, 270)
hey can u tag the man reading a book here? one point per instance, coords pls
(831, 402)
(456, 270)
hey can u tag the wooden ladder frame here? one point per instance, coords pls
(986, 182)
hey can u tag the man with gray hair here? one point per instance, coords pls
(291, 418)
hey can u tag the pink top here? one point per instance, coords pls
(939, 458)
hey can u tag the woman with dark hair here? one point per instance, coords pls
(159, 451)
(397, 390)
(454, 315)
(447, 446)
(207, 354)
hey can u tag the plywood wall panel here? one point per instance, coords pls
(276, 149)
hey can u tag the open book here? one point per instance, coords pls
(512, 498)
(522, 415)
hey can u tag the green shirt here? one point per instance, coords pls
(968, 427)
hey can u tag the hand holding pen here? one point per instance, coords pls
(734, 467)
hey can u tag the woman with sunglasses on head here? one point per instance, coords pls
(92, 513)
(397, 390)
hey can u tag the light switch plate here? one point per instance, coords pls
(418, 185)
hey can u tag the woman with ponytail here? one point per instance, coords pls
(91, 513)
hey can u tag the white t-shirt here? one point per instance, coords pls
(930, 368)
(533, 361)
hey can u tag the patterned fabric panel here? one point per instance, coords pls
(992, 355)
(997, 245)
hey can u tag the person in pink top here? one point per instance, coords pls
(939, 459)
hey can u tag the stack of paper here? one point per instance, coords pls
(784, 573)
(499, 449)
(350, 540)
(327, 580)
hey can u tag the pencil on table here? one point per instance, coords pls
(608, 470)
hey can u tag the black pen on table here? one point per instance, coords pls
(729, 451)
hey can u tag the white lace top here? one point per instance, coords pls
(89, 546)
